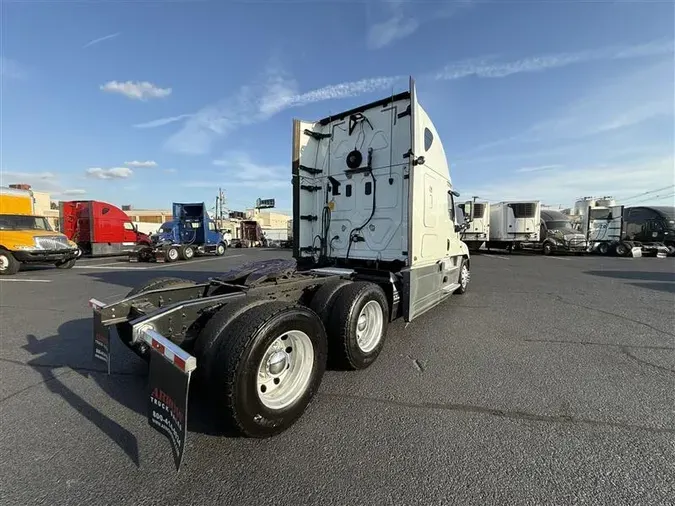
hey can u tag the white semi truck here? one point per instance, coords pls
(514, 223)
(478, 228)
(375, 238)
(609, 229)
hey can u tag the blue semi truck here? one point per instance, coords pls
(190, 232)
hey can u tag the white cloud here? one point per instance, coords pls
(101, 39)
(256, 103)
(73, 192)
(170, 171)
(137, 164)
(276, 92)
(162, 121)
(113, 173)
(136, 90)
(241, 170)
(398, 24)
(11, 69)
(250, 104)
(238, 170)
(538, 168)
(565, 186)
(488, 68)
(620, 102)
(48, 182)
(396, 27)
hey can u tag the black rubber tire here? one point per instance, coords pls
(622, 250)
(205, 343)
(68, 264)
(240, 349)
(603, 248)
(13, 265)
(547, 249)
(220, 249)
(344, 351)
(186, 252)
(124, 329)
(167, 254)
(323, 301)
(463, 288)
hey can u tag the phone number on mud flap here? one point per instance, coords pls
(162, 422)
(168, 410)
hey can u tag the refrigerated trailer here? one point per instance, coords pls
(478, 229)
(513, 223)
(375, 238)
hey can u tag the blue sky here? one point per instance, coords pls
(146, 103)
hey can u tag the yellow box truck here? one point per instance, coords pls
(29, 239)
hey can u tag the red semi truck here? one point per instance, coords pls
(99, 228)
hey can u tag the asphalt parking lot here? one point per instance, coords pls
(552, 381)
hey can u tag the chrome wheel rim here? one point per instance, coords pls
(285, 370)
(4, 262)
(466, 275)
(369, 326)
(173, 254)
(189, 253)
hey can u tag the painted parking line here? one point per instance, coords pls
(192, 262)
(111, 267)
(116, 266)
(558, 258)
(26, 280)
(493, 256)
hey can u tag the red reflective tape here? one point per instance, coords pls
(158, 346)
(179, 362)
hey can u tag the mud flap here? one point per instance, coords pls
(169, 384)
(101, 349)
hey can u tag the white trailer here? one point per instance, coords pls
(478, 216)
(513, 223)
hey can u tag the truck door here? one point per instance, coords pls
(129, 233)
(615, 224)
(212, 235)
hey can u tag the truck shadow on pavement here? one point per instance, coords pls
(70, 352)
(663, 281)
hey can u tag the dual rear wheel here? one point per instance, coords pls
(262, 361)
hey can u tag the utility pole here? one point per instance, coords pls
(221, 194)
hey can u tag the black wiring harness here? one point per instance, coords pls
(324, 243)
(352, 234)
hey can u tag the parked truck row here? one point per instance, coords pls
(596, 226)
